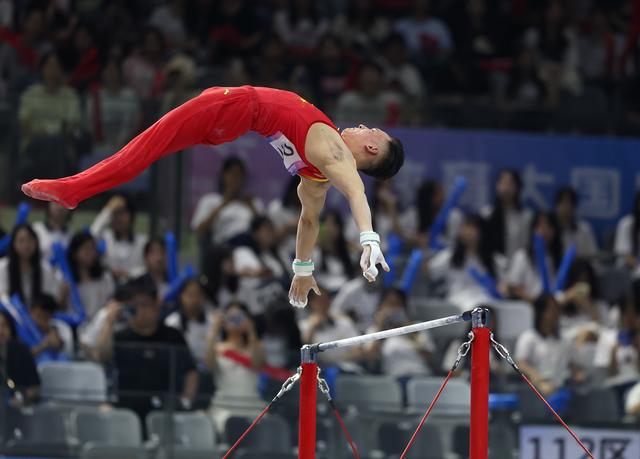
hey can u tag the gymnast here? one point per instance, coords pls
(308, 142)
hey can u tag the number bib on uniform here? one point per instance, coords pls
(288, 152)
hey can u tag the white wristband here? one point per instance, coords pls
(369, 238)
(302, 268)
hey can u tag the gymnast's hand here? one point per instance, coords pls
(372, 256)
(300, 286)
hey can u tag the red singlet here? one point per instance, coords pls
(216, 116)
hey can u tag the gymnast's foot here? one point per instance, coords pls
(48, 190)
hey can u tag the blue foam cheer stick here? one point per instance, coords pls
(486, 281)
(172, 255)
(24, 333)
(61, 261)
(565, 265)
(175, 286)
(394, 250)
(440, 222)
(541, 261)
(411, 271)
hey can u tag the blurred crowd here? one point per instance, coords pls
(230, 325)
(85, 76)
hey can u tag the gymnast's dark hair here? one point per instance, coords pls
(390, 163)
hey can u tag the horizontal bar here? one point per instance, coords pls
(356, 340)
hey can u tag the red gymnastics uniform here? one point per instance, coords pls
(216, 116)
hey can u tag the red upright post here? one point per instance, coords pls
(308, 404)
(479, 437)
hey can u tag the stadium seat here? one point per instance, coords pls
(599, 406)
(192, 430)
(455, 400)
(369, 393)
(112, 433)
(42, 430)
(512, 318)
(272, 434)
(424, 309)
(73, 381)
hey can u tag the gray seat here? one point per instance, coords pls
(428, 443)
(118, 427)
(42, 430)
(369, 393)
(190, 430)
(272, 434)
(599, 406)
(424, 309)
(73, 381)
(455, 400)
(531, 408)
(614, 282)
(91, 451)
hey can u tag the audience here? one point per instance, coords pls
(335, 266)
(234, 354)
(17, 365)
(54, 229)
(574, 231)
(124, 246)
(23, 272)
(627, 239)
(57, 336)
(155, 265)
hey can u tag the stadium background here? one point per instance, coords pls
(548, 89)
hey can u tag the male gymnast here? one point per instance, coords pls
(308, 142)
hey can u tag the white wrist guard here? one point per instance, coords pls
(369, 238)
(302, 268)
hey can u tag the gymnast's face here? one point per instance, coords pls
(368, 145)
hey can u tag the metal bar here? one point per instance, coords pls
(356, 340)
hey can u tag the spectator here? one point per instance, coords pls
(17, 365)
(322, 325)
(331, 69)
(280, 335)
(523, 279)
(236, 29)
(271, 67)
(358, 299)
(507, 220)
(170, 18)
(385, 215)
(194, 318)
(234, 354)
(427, 37)
(24, 272)
(335, 266)
(419, 218)
(300, 25)
(371, 103)
(525, 89)
(54, 229)
(180, 74)
(57, 342)
(82, 58)
(402, 75)
(361, 27)
(542, 354)
(574, 231)
(49, 108)
(155, 265)
(143, 68)
(124, 247)
(262, 275)
(627, 240)
(470, 251)
(404, 355)
(95, 284)
(227, 214)
(599, 49)
(284, 213)
(580, 301)
(113, 110)
(147, 347)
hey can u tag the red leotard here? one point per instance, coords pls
(216, 116)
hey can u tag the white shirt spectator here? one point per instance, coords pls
(303, 34)
(257, 292)
(516, 226)
(623, 245)
(196, 335)
(96, 292)
(583, 238)
(282, 216)
(626, 357)
(339, 327)
(523, 273)
(431, 30)
(118, 115)
(550, 356)
(359, 299)
(172, 26)
(233, 220)
(378, 110)
(47, 237)
(51, 281)
(125, 255)
(400, 355)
